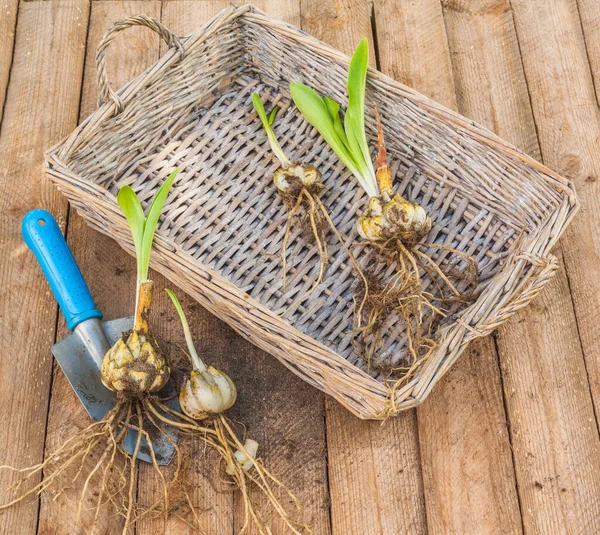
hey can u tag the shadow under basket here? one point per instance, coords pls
(220, 236)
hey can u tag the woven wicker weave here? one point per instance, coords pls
(223, 223)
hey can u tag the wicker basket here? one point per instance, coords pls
(222, 229)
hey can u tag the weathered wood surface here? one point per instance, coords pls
(8, 23)
(508, 441)
(40, 110)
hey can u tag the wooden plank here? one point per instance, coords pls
(40, 109)
(468, 471)
(566, 115)
(280, 411)
(589, 12)
(413, 48)
(109, 271)
(8, 23)
(465, 454)
(554, 438)
(374, 474)
(553, 431)
(488, 73)
(374, 470)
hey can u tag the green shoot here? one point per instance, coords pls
(273, 114)
(267, 121)
(349, 141)
(196, 360)
(142, 228)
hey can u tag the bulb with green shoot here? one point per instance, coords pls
(388, 215)
(291, 178)
(208, 390)
(135, 364)
(299, 185)
(395, 226)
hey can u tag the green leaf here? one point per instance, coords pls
(316, 112)
(177, 304)
(151, 221)
(273, 114)
(334, 111)
(132, 209)
(266, 122)
(355, 115)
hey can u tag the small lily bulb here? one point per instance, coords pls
(298, 176)
(245, 458)
(134, 366)
(208, 391)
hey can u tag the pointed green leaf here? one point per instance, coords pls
(134, 213)
(317, 113)
(334, 111)
(198, 364)
(152, 220)
(355, 114)
(273, 114)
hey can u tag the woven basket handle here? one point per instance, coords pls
(106, 93)
(522, 298)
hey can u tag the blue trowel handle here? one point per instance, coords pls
(43, 236)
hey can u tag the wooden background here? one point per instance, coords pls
(507, 443)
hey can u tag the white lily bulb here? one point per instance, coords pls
(245, 459)
(206, 392)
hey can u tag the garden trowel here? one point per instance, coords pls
(80, 354)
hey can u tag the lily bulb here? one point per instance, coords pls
(245, 458)
(397, 218)
(294, 178)
(390, 216)
(134, 365)
(208, 390)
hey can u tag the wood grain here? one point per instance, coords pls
(589, 13)
(464, 416)
(535, 345)
(413, 47)
(488, 72)
(553, 430)
(40, 109)
(8, 23)
(374, 469)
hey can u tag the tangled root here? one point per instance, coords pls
(319, 223)
(219, 435)
(95, 461)
(403, 295)
(93, 458)
(314, 230)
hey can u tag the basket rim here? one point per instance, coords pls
(384, 396)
